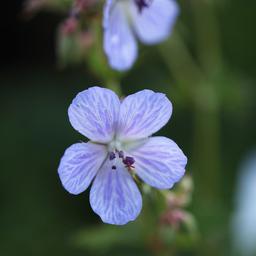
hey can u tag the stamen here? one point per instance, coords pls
(112, 156)
(141, 4)
(129, 161)
(121, 154)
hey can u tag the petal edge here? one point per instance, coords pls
(159, 162)
(142, 114)
(94, 113)
(154, 24)
(120, 45)
(114, 196)
(79, 165)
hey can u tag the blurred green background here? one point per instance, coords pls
(207, 68)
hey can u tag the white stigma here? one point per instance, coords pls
(114, 145)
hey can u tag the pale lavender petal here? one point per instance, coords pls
(119, 42)
(142, 114)
(159, 162)
(94, 113)
(114, 195)
(155, 22)
(79, 166)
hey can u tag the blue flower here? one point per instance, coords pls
(150, 20)
(120, 146)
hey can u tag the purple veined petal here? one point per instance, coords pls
(94, 113)
(142, 114)
(155, 22)
(119, 42)
(159, 162)
(79, 166)
(114, 195)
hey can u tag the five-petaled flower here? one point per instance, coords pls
(151, 21)
(120, 145)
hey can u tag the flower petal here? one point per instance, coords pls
(114, 195)
(119, 42)
(155, 22)
(159, 162)
(142, 114)
(79, 166)
(94, 113)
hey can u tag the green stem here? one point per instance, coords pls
(206, 145)
(182, 66)
(207, 35)
(114, 85)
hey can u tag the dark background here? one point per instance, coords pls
(37, 216)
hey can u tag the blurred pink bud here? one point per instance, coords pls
(86, 39)
(181, 197)
(173, 218)
(69, 26)
(82, 5)
(177, 201)
(187, 184)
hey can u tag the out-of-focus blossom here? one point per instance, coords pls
(86, 39)
(174, 218)
(69, 26)
(151, 21)
(182, 197)
(120, 147)
(175, 215)
(244, 220)
(73, 43)
(82, 5)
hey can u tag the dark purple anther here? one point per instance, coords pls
(128, 161)
(141, 4)
(121, 154)
(112, 156)
(114, 167)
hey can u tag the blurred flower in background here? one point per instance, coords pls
(149, 20)
(244, 219)
(176, 223)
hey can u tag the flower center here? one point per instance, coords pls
(141, 4)
(118, 155)
(114, 146)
